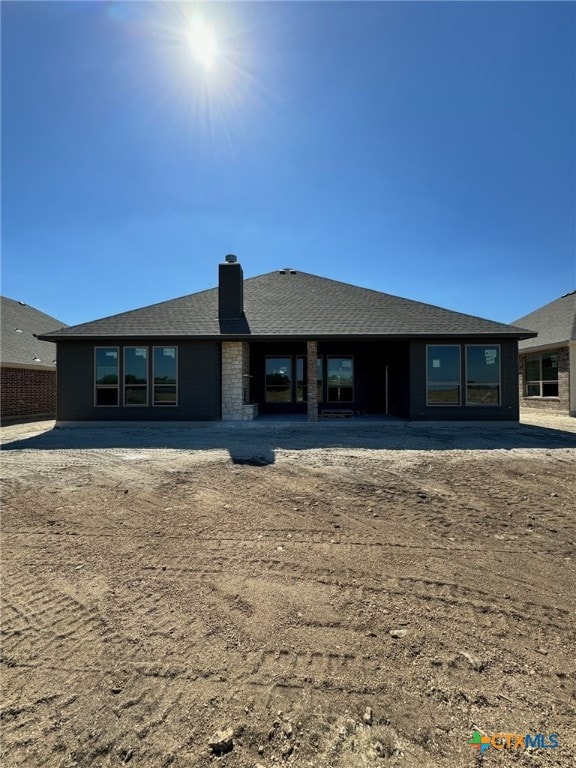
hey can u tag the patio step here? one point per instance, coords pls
(342, 413)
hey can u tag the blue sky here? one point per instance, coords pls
(422, 149)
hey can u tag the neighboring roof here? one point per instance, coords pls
(555, 323)
(292, 305)
(20, 324)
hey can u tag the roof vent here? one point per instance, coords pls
(36, 359)
(230, 259)
(281, 271)
(286, 271)
(22, 304)
(18, 330)
(292, 271)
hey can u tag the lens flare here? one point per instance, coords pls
(203, 44)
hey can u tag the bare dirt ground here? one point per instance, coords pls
(161, 585)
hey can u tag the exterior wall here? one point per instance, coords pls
(27, 392)
(235, 382)
(198, 383)
(560, 404)
(508, 410)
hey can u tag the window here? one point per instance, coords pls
(135, 375)
(443, 375)
(301, 382)
(106, 375)
(278, 379)
(483, 374)
(165, 376)
(340, 379)
(542, 375)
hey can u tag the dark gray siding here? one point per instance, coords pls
(508, 410)
(198, 383)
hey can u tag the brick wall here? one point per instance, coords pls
(27, 392)
(560, 404)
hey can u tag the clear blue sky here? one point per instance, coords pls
(422, 149)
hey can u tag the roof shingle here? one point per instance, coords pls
(555, 323)
(21, 325)
(296, 305)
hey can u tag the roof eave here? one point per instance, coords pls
(513, 335)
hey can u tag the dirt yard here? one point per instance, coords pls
(338, 597)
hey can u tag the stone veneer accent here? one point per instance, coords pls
(236, 382)
(312, 380)
(560, 404)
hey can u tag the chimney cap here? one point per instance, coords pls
(230, 258)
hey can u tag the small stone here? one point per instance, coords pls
(288, 730)
(475, 663)
(261, 749)
(115, 690)
(371, 634)
(543, 651)
(288, 749)
(222, 742)
(398, 633)
(367, 716)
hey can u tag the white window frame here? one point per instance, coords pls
(146, 386)
(152, 397)
(541, 381)
(483, 405)
(445, 405)
(107, 386)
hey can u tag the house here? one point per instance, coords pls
(547, 365)
(286, 342)
(28, 365)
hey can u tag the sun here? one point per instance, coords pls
(203, 44)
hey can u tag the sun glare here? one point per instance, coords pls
(203, 44)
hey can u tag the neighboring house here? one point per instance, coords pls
(28, 365)
(548, 362)
(287, 342)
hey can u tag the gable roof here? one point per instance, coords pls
(555, 323)
(20, 327)
(291, 304)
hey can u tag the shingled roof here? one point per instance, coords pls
(291, 304)
(555, 323)
(21, 326)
